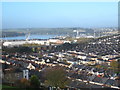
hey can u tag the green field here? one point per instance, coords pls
(5, 87)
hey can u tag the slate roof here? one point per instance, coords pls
(97, 79)
(111, 82)
(90, 78)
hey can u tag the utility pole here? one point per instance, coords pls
(27, 35)
(94, 33)
(77, 33)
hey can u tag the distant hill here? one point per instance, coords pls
(50, 31)
(11, 34)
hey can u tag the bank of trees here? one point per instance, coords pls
(11, 34)
(20, 49)
(34, 81)
(115, 66)
(53, 77)
(56, 77)
(24, 83)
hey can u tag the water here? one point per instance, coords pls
(31, 37)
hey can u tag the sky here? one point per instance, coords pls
(59, 14)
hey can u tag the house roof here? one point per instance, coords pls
(91, 77)
(104, 80)
(97, 79)
(111, 82)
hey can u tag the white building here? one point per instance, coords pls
(30, 66)
(17, 43)
(26, 74)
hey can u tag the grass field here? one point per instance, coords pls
(5, 87)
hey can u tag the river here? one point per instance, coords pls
(33, 36)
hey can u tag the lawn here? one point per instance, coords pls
(5, 87)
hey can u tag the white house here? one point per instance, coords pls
(30, 66)
(26, 74)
